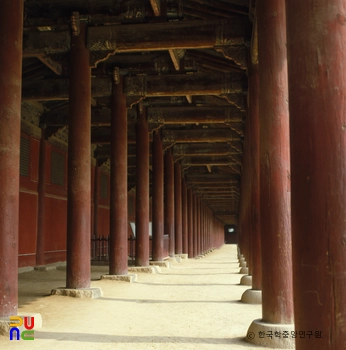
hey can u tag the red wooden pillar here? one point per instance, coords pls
(178, 209)
(203, 228)
(195, 228)
(207, 229)
(157, 203)
(190, 222)
(256, 257)
(317, 91)
(212, 242)
(11, 29)
(118, 259)
(210, 245)
(169, 199)
(185, 232)
(79, 185)
(198, 226)
(254, 295)
(277, 298)
(247, 202)
(41, 196)
(96, 199)
(142, 191)
(96, 194)
(244, 227)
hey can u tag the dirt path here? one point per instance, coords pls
(192, 305)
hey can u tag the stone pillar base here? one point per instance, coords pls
(91, 293)
(122, 278)
(241, 259)
(160, 263)
(183, 256)
(244, 270)
(252, 296)
(175, 258)
(44, 267)
(25, 269)
(263, 334)
(143, 269)
(246, 280)
(5, 322)
(61, 265)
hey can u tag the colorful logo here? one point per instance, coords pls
(28, 333)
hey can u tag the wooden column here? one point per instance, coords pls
(79, 165)
(277, 298)
(195, 229)
(256, 256)
(252, 218)
(96, 194)
(96, 199)
(203, 228)
(190, 222)
(157, 203)
(198, 225)
(169, 199)
(244, 225)
(178, 209)
(118, 259)
(316, 35)
(185, 232)
(41, 197)
(142, 191)
(11, 29)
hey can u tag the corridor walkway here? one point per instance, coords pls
(192, 305)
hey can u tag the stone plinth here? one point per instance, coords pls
(175, 258)
(242, 264)
(246, 280)
(252, 296)
(44, 268)
(121, 278)
(160, 263)
(183, 256)
(5, 322)
(142, 269)
(263, 334)
(91, 293)
(244, 270)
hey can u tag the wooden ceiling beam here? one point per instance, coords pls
(194, 115)
(155, 85)
(200, 149)
(211, 161)
(167, 35)
(199, 135)
(141, 37)
(184, 84)
(211, 178)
